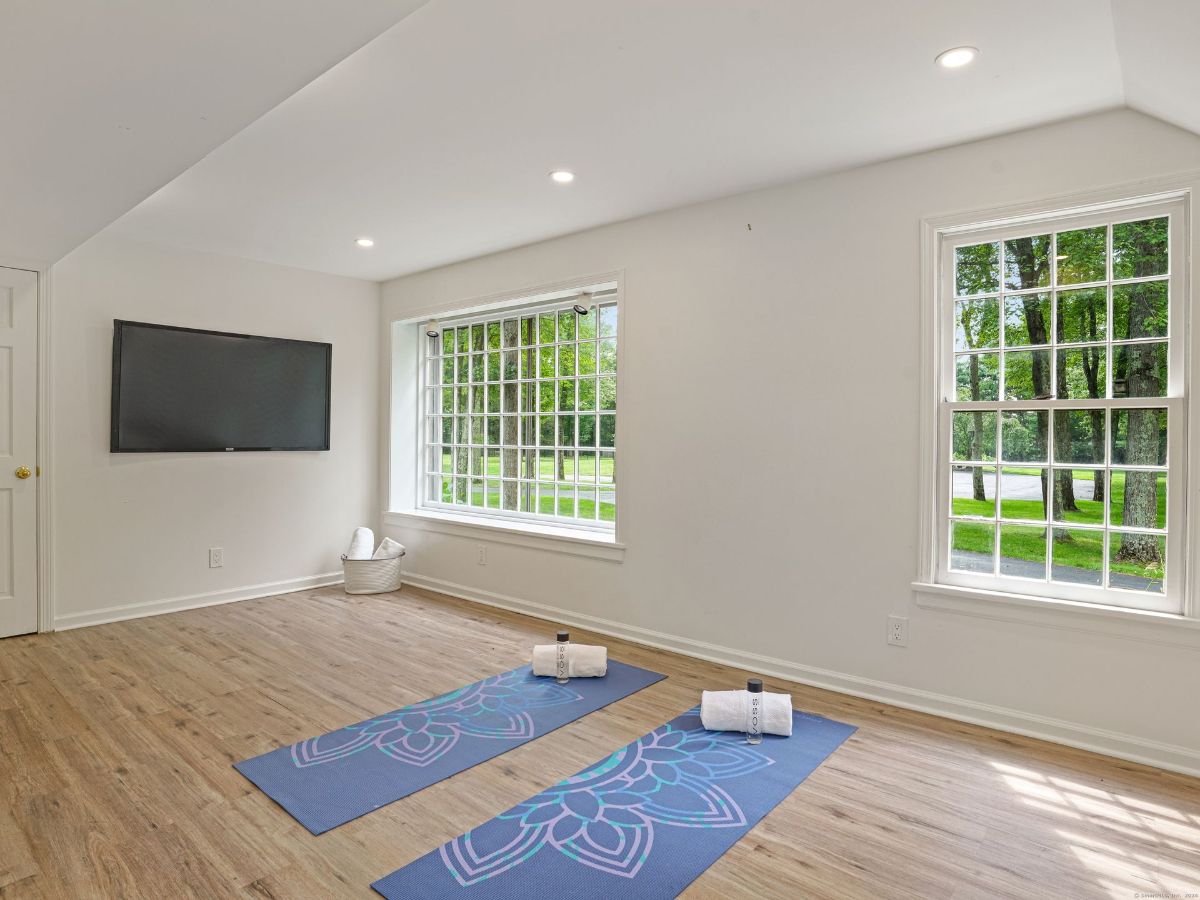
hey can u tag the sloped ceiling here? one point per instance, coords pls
(436, 137)
(1159, 46)
(102, 103)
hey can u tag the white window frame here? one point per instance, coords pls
(939, 402)
(606, 293)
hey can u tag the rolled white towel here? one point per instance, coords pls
(388, 549)
(726, 711)
(361, 544)
(583, 660)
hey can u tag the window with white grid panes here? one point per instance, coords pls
(521, 414)
(1062, 415)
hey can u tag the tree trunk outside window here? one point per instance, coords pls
(1142, 380)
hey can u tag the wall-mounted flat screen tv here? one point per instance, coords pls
(186, 390)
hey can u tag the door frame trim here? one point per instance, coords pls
(45, 443)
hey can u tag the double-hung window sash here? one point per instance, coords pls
(1061, 429)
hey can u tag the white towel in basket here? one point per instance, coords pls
(388, 549)
(361, 543)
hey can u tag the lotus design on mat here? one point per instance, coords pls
(605, 817)
(495, 708)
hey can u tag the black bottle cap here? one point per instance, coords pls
(564, 636)
(754, 685)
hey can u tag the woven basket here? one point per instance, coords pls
(371, 576)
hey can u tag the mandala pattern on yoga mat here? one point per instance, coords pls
(497, 707)
(605, 817)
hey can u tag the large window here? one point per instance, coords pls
(1061, 433)
(520, 412)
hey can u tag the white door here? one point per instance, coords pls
(18, 452)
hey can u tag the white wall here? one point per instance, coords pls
(797, 545)
(132, 531)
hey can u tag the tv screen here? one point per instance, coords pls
(182, 389)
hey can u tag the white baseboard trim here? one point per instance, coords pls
(193, 601)
(1172, 757)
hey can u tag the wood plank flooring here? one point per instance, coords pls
(116, 745)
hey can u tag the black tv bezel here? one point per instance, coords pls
(114, 436)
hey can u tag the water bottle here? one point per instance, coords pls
(562, 652)
(754, 711)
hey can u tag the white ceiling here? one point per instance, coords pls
(102, 103)
(436, 138)
(1159, 45)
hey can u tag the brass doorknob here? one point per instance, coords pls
(23, 472)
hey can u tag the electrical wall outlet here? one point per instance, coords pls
(481, 556)
(216, 557)
(897, 633)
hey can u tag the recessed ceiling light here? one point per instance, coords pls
(365, 242)
(956, 57)
(562, 176)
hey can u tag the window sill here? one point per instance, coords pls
(572, 541)
(1133, 624)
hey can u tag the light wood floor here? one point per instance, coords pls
(116, 745)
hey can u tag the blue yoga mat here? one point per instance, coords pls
(645, 822)
(326, 781)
